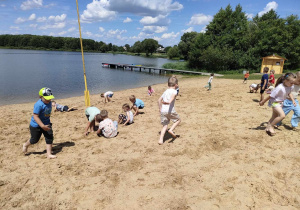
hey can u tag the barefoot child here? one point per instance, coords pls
(107, 127)
(209, 82)
(150, 91)
(167, 111)
(246, 76)
(272, 78)
(278, 95)
(128, 118)
(40, 122)
(92, 114)
(107, 95)
(264, 83)
(289, 106)
(61, 108)
(254, 87)
(137, 104)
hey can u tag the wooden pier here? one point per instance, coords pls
(152, 69)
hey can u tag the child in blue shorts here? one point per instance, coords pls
(40, 122)
(137, 104)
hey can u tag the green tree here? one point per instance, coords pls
(137, 47)
(149, 46)
(173, 52)
(184, 46)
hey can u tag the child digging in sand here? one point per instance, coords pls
(166, 105)
(92, 114)
(137, 104)
(107, 127)
(40, 122)
(128, 118)
(107, 96)
(278, 95)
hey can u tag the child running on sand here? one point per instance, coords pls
(107, 127)
(137, 104)
(107, 95)
(40, 122)
(61, 108)
(128, 118)
(92, 114)
(246, 76)
(150, 91)
(166, 105)
(278, 95)
(289, 106)
(209, 82)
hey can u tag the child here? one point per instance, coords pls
(278, 95)
(137, 104)
(246, 77)
(62, 108)
(166, 105)
(264, 83)
(254, 87)
(128, 118)
(272, 78)
(176, 86)
(150, 91)
(269, 90)
(289, 106)
(40, 122)
(107, 127)
(92, 114)
(209, 82)
(107, 95)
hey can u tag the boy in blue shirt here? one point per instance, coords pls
(264, 83)
(40, 122)
(137, 104)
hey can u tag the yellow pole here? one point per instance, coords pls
(86, 92)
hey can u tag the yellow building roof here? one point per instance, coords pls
(274, 57)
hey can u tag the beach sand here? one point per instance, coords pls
(223, 158)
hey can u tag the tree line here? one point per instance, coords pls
(230, 42)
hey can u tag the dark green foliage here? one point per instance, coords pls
(232, 42)
(173, 52)
(149, 46)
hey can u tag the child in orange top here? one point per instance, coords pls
(246, 77)
(272, 78)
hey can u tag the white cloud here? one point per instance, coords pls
(101, 29)
(33, 25)
(271, 5)
(41, 19)
(249, 15)
(2, 5)
(15, 28)
(159, 20)
(190, 29)
(32, 17)
(97, 11)
(170, 35)
(71, 29)
(154, 29)
(203, 30)
(145, 8)
(127, 20)
(53, 26)
(200, 19)
(20, 20)
(31, 4)
(58, 18)
(116, 32)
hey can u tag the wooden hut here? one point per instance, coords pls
(274, 62)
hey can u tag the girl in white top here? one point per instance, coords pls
(282, 89)
(209, 82)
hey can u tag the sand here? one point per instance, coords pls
(223, 158)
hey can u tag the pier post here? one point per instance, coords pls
(140, 69)
(149, 70)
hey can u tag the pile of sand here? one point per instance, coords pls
(223, 158)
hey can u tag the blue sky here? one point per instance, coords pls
(123, 22)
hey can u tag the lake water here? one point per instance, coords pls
(25, 72)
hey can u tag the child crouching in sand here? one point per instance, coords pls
(166, 105)
(278, 95)
(40, 122)
(107, 127)
(128, 118)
